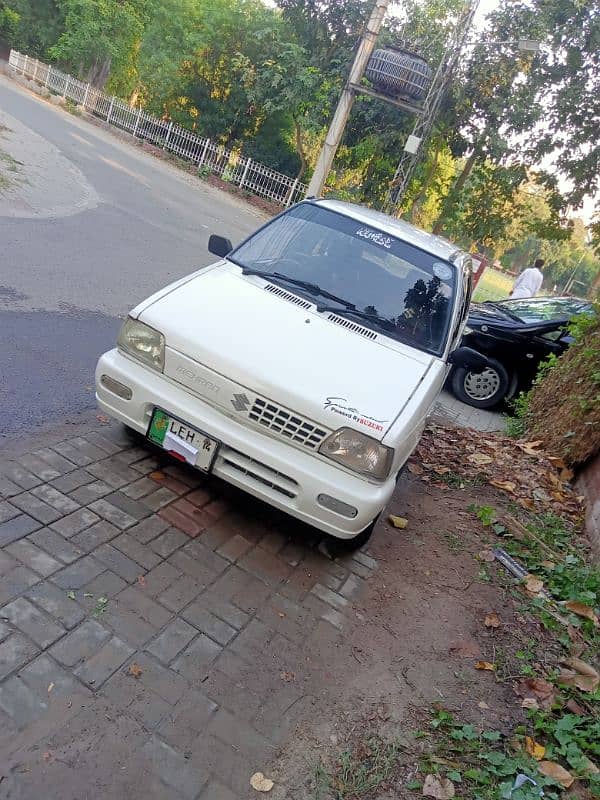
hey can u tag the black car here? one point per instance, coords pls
(515, 335)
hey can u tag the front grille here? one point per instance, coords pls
(263, 474)
(291, 298)
(287, 424)
(352, 326)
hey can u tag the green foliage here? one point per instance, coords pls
(570, 386)
(482, 762)
(100, 36)
(485, 514)
(267, 79)
(9, 21)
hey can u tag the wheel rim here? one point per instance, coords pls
(482, 385)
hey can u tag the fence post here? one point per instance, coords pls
(204, 151)
(85, 96)
(48, 71)
(245, 174)
(66, 86)
(25, 65)
(137, 122)
(290, 196)
(112, 102)
(35, 69)
(168, 134)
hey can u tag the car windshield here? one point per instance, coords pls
(376, 280)
(544, 309)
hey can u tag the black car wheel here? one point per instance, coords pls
(481, 389)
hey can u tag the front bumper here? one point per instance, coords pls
(272, 470)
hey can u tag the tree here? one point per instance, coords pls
(31, 26)
(567, 82)
(513, 107)
(284, 83)
(100, 36)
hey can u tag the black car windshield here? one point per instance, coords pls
(379, 281)
(545, 309)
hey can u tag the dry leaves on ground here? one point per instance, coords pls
(521, 469)
(532, 584)
(135, 670)
(485, 666)
(582, 610)
(535, 749)
(398, 522)
(492, 620)
(530, 702)
(553, 770)
(260, 783)
(440, 788)
(579, 674)
(538, 688)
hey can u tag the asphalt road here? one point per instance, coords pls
(97, 227)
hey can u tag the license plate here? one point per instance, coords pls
(182, 441)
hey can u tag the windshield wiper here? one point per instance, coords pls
(313, 288)
(500, 307)
(383, 322)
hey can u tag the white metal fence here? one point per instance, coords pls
(227, 164)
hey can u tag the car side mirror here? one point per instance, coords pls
(468, 358)
(219, 245)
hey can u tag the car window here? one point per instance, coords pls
(408, 289)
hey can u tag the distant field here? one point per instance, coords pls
(493, 285)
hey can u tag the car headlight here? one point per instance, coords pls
(143, 343)
(358, 452)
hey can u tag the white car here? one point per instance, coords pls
(302, 365)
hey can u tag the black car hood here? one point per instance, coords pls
(485, 313)
(495, 318)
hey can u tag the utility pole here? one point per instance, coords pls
(342, 112)
(424, 124)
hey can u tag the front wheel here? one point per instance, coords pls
(337, 547)
(481, 389)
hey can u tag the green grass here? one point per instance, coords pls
(494, 285)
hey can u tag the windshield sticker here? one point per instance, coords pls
(339, 405)
(376, 237)
(442, 271)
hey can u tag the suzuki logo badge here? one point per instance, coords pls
(240, 402)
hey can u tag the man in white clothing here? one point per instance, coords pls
(529, 282)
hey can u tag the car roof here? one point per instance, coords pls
(436, 245)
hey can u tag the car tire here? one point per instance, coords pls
(337, 546)
(486, 389)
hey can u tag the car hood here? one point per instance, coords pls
(254, 341)
(485, 314)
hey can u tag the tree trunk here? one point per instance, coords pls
(456, 188)
(99, 72)
(420, 198)
(300, 149)
(595, 287)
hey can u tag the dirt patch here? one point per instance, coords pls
(449, 652)
(36, 180)
(418, 634)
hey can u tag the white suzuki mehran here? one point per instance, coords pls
(302, 365)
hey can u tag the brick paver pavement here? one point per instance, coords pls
(149, 622)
